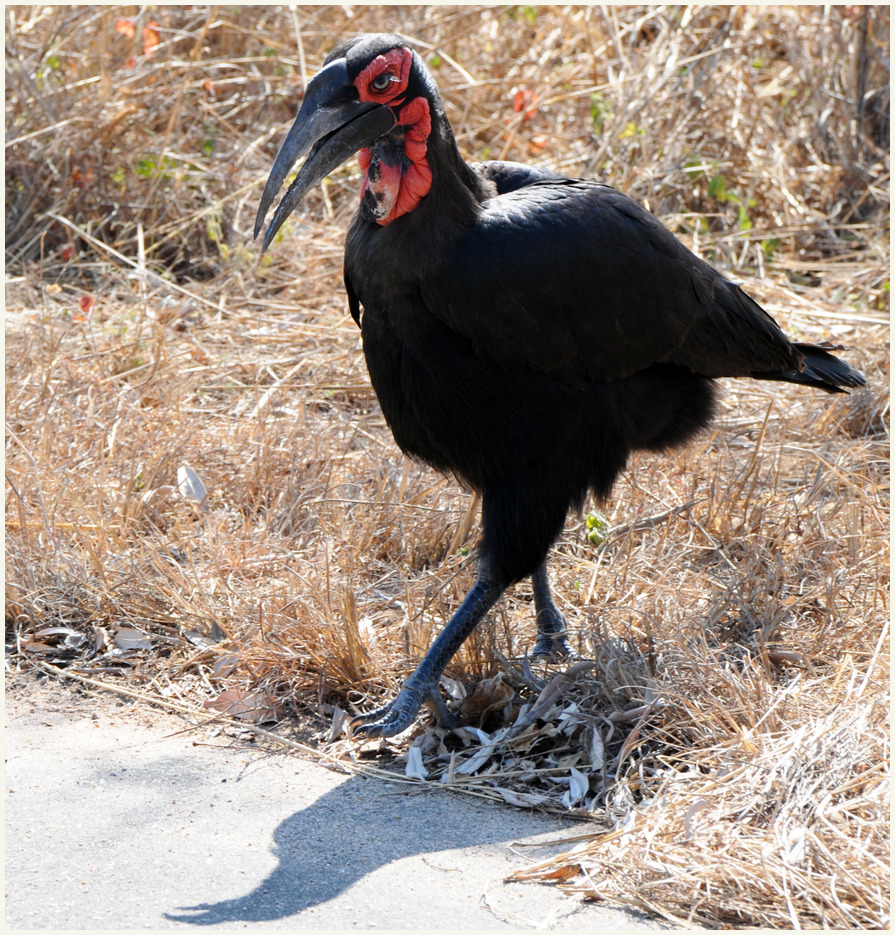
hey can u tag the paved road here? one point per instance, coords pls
(118, 816)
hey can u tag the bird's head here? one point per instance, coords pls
(375, 96)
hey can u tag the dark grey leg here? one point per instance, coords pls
(552, 627)
(422, 686)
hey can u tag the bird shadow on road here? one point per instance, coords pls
(352, 831)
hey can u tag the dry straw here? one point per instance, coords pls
(204, 504)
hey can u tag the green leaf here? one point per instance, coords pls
(145, 167)
(597, 526)
(598, 110)
(695, 167)
(718, 188)
(529, 13)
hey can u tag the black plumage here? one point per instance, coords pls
(522, 330)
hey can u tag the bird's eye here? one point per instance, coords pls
(381, 82)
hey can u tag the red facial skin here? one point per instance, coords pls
(397, 63)
(393, 187)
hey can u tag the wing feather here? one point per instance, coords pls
(575, 278)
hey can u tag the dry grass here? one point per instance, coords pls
(729, 736)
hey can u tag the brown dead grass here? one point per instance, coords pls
(730, 735)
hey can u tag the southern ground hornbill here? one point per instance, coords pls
(522, 330)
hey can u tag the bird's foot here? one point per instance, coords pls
(399, 714)
(551, 647)
(552, 643)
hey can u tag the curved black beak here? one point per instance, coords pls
(333, 125)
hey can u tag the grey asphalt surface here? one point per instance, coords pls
(120, 816)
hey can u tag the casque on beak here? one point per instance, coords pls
(332, 125)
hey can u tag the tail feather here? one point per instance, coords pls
(821, 369)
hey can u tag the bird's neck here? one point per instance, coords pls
(418, 167)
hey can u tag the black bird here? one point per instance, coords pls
(522, 330)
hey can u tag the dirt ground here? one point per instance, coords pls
(122, 816)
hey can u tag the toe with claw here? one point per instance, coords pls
(399, 714)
